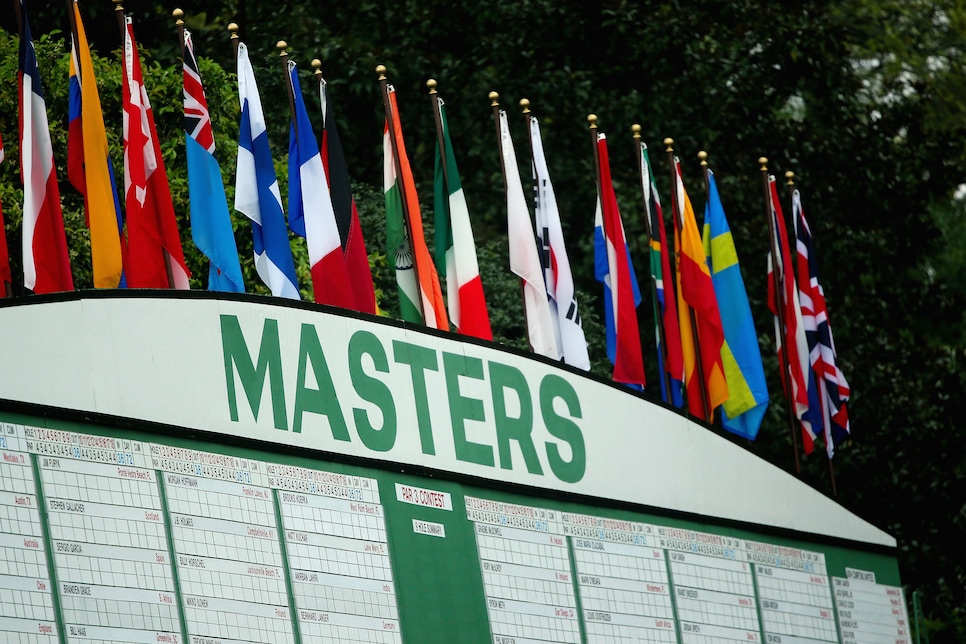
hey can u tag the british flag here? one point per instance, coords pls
(834, 390)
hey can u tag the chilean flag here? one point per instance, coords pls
(310, 212)
(46, 266)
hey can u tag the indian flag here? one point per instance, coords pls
(420, 296)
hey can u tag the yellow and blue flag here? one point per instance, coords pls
(740, 354)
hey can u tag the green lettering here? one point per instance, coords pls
(322, 400)
(252, 377)
(462, 409)
(551, 388)
(419, 360)
(372, 390)
(513, 428)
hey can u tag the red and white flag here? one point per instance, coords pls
(155, 258)
(6, 278)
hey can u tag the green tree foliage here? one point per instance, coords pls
(863, 99)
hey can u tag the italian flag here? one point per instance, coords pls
(455, 248)
(420, 296)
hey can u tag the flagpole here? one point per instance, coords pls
(119, 12)
(782, 322)
(495, 107)
(233, 30)
(659, 314)
(384, 87)
(677, 210)
(438, 120)
(73, 34)
(790, 183)
(178, 16)
(282, 48)
(527, 115)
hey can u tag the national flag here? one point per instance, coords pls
(834, 391)
(89, 166)
(455, 248)
(256, 189)
(211, 227)
(790, 343)
(524, 260)
(613, 268)
(740, 355)
(155, 257)
(697, 292)
(420, 295)
(669, 356)
(571, 343)
(344, 206)
(46, 264)
(310, 213)
(6, 277)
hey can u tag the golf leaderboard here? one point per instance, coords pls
(221, 470)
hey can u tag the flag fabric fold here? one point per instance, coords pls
(613, 268)
(455, 247)
(344, 206)
(564, 312)
(211, 227)
(46, 263)
(6, 277)
(420, 295)
(310, 213)
(669, 356)
(696, 291)
(524, 260)
(155, 256)
(833, 389)
(256, 189)
(790, 344)
(89, 166)
(740, 354)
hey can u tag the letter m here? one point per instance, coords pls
(252, 376)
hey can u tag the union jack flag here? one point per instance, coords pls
(834, 390)
(197, 121)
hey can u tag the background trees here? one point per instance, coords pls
(864, 99)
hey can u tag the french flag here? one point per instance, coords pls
(310, 213)
(46, 266)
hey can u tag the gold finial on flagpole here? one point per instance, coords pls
(790, 179)
(669, 144)
(636, 129)
(703, 157)
(117, 6)
(282, 48)
(494, 99)
(525, 104)
(592, 120)
(431, 84)
(178, 16)
(317, 66)
(381, 70)
(763, 162)
(233, 30)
